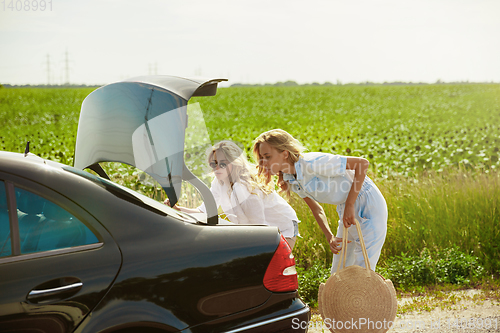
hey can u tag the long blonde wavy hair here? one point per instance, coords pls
(242, 171)
(281, 141)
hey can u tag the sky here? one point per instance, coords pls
(97, 42)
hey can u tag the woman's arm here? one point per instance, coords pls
(215, 189)
(188, 210)
(319, 215)
(183, 209)
(360, 167)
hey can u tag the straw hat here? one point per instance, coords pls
(356, 299)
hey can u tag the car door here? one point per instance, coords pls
(56, 261)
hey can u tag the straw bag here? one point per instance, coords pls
(356, 299)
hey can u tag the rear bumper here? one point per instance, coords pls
(296, 322)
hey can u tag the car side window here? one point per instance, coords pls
(5, 247)
(45, 226)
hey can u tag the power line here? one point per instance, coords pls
(153, 68)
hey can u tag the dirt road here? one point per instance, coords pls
(466, 313)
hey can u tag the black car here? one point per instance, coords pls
(80, 253)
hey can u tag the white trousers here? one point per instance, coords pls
(371, 213)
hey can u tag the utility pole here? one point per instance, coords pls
(67, 67)
(48, 69)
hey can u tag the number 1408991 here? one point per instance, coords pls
(26, 5)
(473, 323)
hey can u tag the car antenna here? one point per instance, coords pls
(27, 150)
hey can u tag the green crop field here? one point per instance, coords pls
(433, 151)
(400, 129)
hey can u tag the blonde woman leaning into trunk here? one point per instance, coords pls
(243, 196)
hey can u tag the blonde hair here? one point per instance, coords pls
(242, 171)
(281, 141)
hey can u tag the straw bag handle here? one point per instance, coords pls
(344, 247)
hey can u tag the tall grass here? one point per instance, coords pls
(439, 211)
(434, 211)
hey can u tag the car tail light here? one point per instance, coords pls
(281, 275)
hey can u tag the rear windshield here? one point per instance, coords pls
(133, 196)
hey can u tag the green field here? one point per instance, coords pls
(400, 129)
(433, 151)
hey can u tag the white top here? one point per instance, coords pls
(243, 207)
(322, 177)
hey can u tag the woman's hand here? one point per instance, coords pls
(336, 244)
(167, 202)
(349, 215)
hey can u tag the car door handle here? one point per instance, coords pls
(55, 289)
(46, 292)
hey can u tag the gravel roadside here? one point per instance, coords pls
(468, 314)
